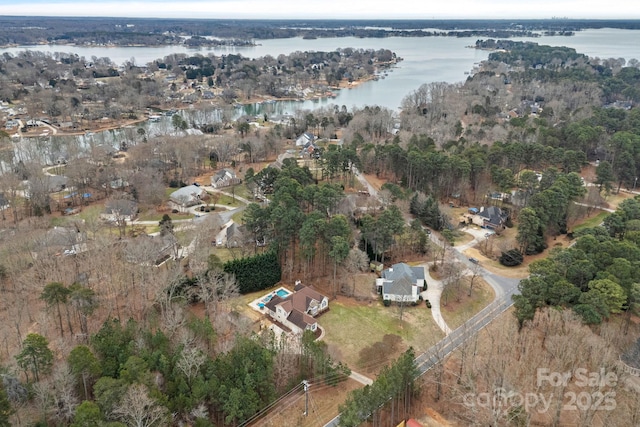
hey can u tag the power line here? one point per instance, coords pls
(271, 405)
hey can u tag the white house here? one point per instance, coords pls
(304, 139)
(224, 178)
(297, 311)
(187, 196)
(401, 283)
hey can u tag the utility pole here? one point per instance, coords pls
(306, 397)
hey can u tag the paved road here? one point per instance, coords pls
(439, 351)
(504, 289)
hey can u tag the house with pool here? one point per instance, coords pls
(298, 310)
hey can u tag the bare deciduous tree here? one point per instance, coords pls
(190, 361)
(138, 409)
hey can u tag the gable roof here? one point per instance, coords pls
(190, 192)
(300, 300)
(400, 286)
(301, 319)
(274, 302)
(224, 173)
(400, 270)
(121, 207)
(493, 214)
(305, 138)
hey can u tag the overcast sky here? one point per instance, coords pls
(307, 9)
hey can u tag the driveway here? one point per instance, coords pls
(479, 235)
(433, 294)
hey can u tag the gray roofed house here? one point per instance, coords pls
(187, 196)
(224, 178)
(61, 240)
(401, 282)
(117, 210)
(237, 235)
(57, 183)
(304, 139)
(490, 217)
(310, 149)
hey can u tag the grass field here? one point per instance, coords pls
(238, 217)
(155, 216)
(350, 327)
(592, 222)
(224, 200)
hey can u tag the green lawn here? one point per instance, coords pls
(351, 328)
(237, 217)
(93, 211)
(592, 222)
(242, 191)
(169, 190)
(226, 201)
(85, 213)
(154, 216)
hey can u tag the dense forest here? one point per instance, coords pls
(596, 277)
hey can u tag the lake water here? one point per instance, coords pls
(426, 60)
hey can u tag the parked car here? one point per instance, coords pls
(474, 260)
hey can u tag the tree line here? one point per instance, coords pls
(596, 278)
(128, 374)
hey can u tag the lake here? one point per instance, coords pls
(426, 60)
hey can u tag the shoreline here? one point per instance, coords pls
(341, 86)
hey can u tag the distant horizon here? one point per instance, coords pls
(553, 18)
(326, 9)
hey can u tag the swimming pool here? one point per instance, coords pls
(282, 293)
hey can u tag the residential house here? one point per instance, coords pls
(490, 217)
(304, 139)
(310, 149)
(56, 183)
(61, 240)
(401, 283)
(298, 310)
(118, 210)
(188, 196)
(237, 235)
(151, 250)
(224, 178)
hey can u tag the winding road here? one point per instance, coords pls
(503, 287)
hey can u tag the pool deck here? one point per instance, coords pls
(266, 298)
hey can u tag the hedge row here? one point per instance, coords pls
(255, 273)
